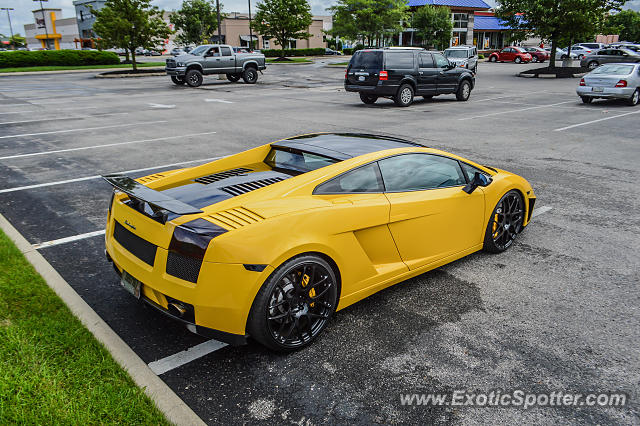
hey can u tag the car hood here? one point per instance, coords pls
(458, 60)
(185, 57)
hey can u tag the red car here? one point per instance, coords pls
(511, 54)
(537, 54)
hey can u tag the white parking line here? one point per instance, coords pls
(67, 239)
(595, 121)
(83, 129)
(62, 182)
(73, 117)
(57, 151)
(181, 358)
(515, 110)
(540, 210)
(218, 100)
(15, 112)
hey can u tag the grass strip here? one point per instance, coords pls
(292, 60)
(52, 369)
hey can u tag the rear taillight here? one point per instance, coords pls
(621, 83)
(192, 238)
(383, 75)
(582, 83)
(346, 73)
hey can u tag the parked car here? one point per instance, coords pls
(511, 54)
(214, 59)
(463, 56)
(607, 56)
(564, 54)
(580, 50)
(592, 46)
(629, 46)
(270, 242)
(400, 74)
(328, 51)
(177, 51)
(611, 81)
(151, 52)
(538, 54)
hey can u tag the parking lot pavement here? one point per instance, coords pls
(557, 312)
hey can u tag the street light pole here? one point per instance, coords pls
(10, 27)
(45, 22)
(219, 33)
(250, 30)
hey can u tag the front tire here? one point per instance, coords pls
(404, 96)
(464, 91)
(177, 81)
(194, 78)
(250, 75)
(505, 223)
(534, 59)
(593, 65)
(634, 99)
(368, 99)
(233, 77)
(493, 58)
(294, 304)
(517, 60)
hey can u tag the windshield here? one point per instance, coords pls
(199, 51)
(365, 60)
(296, 161)
(455, 53)
(614, 69)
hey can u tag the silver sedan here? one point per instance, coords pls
(611, 81)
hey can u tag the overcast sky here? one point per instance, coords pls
(22, 14)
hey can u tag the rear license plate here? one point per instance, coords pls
(130, 284)
(361, 78)
(598, 89)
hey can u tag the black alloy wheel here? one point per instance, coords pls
(505, 223)
(177, 80)
(295, 304)
(233, 77)
(194, 78)
(250, 75)
(368, 99)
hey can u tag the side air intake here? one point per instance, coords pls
(243, 188)
(206, 180)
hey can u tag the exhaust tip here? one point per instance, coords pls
(177, 309)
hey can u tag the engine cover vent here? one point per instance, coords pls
(243, 188)
(206, 180)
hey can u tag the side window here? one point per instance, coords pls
(470, 171)
(426, 61)
(225, 51)
(213, 52)
(399, 60)
(441, 61)
(603, 52)
(414, 172)
(363, 179)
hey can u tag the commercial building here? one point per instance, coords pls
(85, 19)
(51, 31)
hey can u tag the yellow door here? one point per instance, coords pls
(430, 216)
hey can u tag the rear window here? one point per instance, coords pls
(613, 69)
(296, 161)
(367, 60)
(399, 60)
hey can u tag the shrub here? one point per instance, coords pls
(272, 53)
(352, 50)
(480, 56)
(24, 58)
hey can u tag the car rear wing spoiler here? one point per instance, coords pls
(154, 198)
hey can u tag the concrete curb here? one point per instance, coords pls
(174, 409)
(148, 74)
(9, 74)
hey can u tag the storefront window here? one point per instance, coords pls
(460, 20)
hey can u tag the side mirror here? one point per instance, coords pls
(479, 179)
(451, 66)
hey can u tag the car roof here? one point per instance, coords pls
(342, 146)
(460, 47)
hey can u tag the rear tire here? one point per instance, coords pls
(493, 58)
(586, 99)
(194, 78)
(177, 81)
(368, 99)
(464, 91)
(294, 305)
(250, 75)
(233, 77)
(505, 223)
(517, 60)
(634, 99)
(404, 96)
(534, 59)
(593, 65)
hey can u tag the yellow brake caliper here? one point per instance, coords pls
(305, 282)
(495, 225)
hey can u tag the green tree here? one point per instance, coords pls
(370, 21)
(130, 24)
(283, 20)
(196, 21)
(625, 23)
(433, 25)
(562, 22)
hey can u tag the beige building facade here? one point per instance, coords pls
(51, 31)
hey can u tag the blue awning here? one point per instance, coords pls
(489, 23)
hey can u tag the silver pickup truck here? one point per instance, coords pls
(214, 59)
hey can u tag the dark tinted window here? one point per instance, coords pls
(399, 60)
(426, 61)
(603, 52)
(367, 60)
(226, 51)
(441, 61)
(412, 172)
(362, 179)
(296, 161)
(471, 171)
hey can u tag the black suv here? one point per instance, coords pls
(399, 74)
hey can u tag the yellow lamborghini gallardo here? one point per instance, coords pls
(270, 242)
